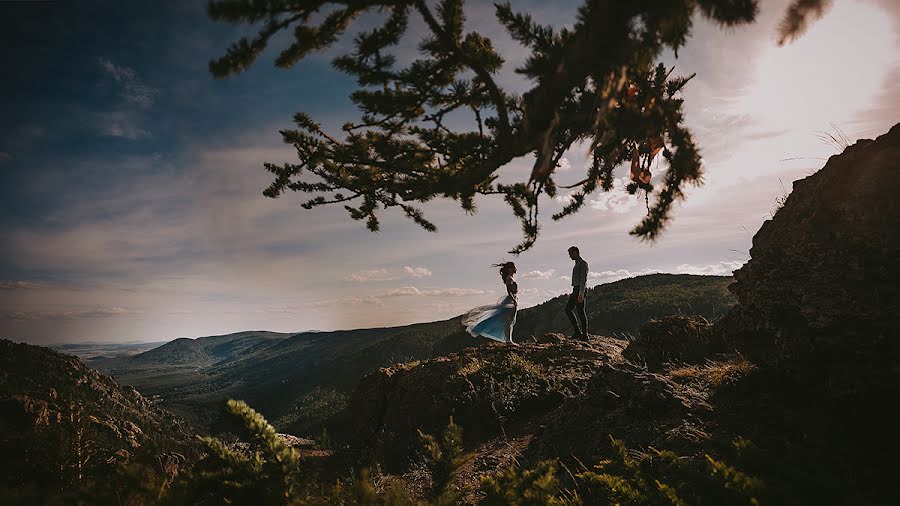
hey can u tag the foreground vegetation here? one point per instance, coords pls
(270, 472)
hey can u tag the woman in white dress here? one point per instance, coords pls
(496, 321)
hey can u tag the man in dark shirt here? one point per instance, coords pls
(575, 307)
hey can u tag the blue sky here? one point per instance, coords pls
(132, 205)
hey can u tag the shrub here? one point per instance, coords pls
(665, 478)
(530, 487)
(443, 457)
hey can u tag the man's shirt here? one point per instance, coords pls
(580, 273)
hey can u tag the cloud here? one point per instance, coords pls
(542, 295)
(20, 285)
(384, 274)
(564, 164)
(407, 291)
(724, 268)
(302, 307)
(370, 275)
(402, 292)
(456, 292)
(133, 89)
(610, 276)
(99, 312)
(124, 130)
(565, 198)
(717, 269)
(616, 200)
(548, 274)
(416, 272)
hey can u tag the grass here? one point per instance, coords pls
(714, 373)
(472, 367)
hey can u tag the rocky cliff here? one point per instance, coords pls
(820, 296)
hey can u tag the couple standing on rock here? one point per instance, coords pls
(496, 321)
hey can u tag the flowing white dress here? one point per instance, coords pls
(495, 321)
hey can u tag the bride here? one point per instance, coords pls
(496, 321)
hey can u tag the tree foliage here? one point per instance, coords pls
(596, 85)
(443, 456)
(267, 472)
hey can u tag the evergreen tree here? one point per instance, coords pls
(443, 456)
(596, 84)
(267, 472)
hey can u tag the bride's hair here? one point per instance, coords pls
(504, 268)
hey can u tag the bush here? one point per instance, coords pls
(665, 478)
(530, 487)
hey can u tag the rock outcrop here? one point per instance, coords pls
(490, 391)
(820, 296)
(557, 397)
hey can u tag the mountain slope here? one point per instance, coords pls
(623, 306)
(67, 428)
(202, 351)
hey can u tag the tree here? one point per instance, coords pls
(596, 84)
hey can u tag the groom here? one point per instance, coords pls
(575, 306)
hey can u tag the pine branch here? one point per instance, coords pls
(594, 82)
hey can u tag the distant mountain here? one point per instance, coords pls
(298, 380)
(96, 349)
(67, 428)
(202, 351)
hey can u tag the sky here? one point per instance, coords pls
(132, 205)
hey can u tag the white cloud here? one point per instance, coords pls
(370, 275)
(384, 274)
(548, 274)
(564, 198)
(609, 276)
(402, 291)
(133, 89)
(533, 296)
(416, 272)
(457, 292)
(406, 291)
(717, 269)
(616, 200)
(564, 164)
(724, 268)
